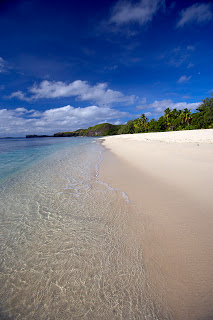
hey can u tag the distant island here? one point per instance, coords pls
(37, 136)
(104, 129)
(171, 120)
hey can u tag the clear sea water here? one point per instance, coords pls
(65, 245)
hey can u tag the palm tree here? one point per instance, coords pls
(187, 114)
(168, 116)
(137, 125)
(182, 117)
(174, 118)
(144, 121)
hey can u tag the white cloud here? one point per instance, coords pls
(22, 121)
(141, 102)
(186, 97)
(177, 56)
(190, 48)
(21, 110)
(117, 122)
(158, 107)
(142, 12)
(183, 79)
(2, 65)
(111, 68)
(190, 65)
(82, 90)
(148, 114)
(197, 13)
(19, 95)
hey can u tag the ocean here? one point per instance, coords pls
(66, 248)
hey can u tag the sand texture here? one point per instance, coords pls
(169, 178)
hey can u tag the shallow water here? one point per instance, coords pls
(67, 251)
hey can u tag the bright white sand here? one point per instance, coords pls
(183, 159)
(169, 177)
(185, 136)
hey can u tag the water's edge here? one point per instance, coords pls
(67, 248)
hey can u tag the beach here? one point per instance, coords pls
(67, 250)
(168, 178)
(115, 230)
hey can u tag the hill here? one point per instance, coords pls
(104, 129)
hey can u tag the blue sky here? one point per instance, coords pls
(66, 65)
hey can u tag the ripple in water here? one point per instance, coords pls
(67, 251)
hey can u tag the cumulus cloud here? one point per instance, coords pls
(183, 79)
(142, 12)
(19, 95)
(82, 90)
(22, 121)
(148, 114)
(21, 110)
(197, 13)
(158, 107)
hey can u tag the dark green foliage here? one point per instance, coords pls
(154, 126)
(79, 132)
(161, 124)
(174, 120)
(204, 117)
(36, 136)
(137, 125)
(144, 122)
(104, 129)
(127, 128)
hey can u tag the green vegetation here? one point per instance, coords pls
(171, 120)
(174, 120)
(104, 129)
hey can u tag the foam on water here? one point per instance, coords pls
(125, 196)
(67, 251)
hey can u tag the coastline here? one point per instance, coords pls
(168, 176)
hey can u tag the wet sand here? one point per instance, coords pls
(169, 179)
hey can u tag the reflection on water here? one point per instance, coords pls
(67, 251)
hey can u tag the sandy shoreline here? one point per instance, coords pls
(169, 177)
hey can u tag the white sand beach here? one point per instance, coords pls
(169, 178)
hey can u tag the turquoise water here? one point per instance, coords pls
(19, 154)
(67, 250)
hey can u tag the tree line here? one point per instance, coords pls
(173, 120)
